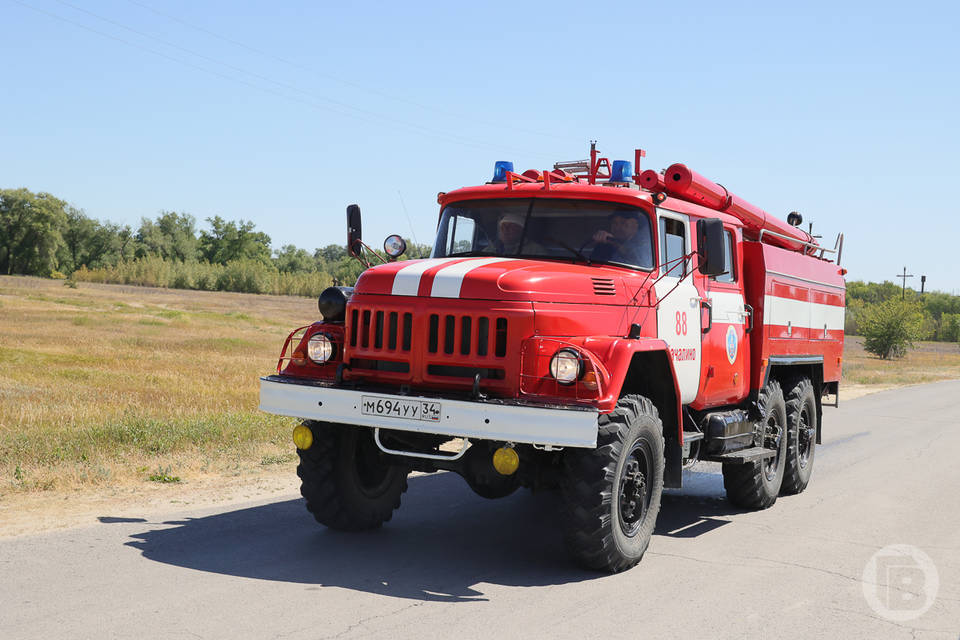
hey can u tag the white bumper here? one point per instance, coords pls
(458, 418)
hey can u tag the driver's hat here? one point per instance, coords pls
(512, 218)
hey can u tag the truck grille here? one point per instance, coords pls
(467, 335)
(381, 330)
(449, 334)
(432, 347)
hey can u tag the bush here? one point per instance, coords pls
(245, 276)
(951, 327)
(890, 327)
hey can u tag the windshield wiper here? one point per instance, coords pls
(575, 252)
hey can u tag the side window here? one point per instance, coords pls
(673, 244)
(460, 238)
(729, 267)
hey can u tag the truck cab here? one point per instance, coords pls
(587, 328)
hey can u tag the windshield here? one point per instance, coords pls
(588, 230)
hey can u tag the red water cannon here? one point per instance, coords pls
(681, 182)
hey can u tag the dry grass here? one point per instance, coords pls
(926, 362)
(110, 384)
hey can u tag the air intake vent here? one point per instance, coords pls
(604, 286)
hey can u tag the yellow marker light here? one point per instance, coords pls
(506, 461)
(302, 437)
(590, 381)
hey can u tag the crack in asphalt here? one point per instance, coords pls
(363, 621)
(913, 630)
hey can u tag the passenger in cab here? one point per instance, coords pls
(628, 240)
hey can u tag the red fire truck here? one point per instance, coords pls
(590, 328)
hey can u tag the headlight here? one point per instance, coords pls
(320, 348)
(565, 366)
(394, 246)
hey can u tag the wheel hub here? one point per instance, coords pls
(772, 437)
(634, 498)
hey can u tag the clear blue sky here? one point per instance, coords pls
(284, 113)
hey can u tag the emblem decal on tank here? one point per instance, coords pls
(732, 344)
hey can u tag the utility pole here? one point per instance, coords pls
(903, 293)
(923, 284)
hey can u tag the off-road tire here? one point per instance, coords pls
(755, 485)
(603, 529)
(347, 481)
(492, 492)
(801, 437)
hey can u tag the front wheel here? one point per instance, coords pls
(612, 493)
(348, 483)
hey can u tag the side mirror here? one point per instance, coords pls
(710, 247)
(354, 231)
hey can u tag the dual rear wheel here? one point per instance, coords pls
(789, 427)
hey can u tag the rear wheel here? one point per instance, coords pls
(801, 437)
(755, 485)
(612, 493)
(348, 483)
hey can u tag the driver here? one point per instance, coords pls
(509, 234)
(624, 242)
(510, 237)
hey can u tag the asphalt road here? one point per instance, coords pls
(451, 564)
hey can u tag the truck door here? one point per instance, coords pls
(726, 351)
(678, 302)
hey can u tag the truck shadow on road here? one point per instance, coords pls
(442, 542)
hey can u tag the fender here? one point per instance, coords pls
(616, 354)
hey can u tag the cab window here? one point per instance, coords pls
(461, 236)
(673, 245)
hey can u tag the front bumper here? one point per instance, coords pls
(483, 420)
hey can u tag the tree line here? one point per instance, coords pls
(42, 235)
(891, 318)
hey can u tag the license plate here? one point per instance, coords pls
(394, 408)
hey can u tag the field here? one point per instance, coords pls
(117, 386)
(926, 362)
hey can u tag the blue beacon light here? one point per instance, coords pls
(500, 169)
(622, 171)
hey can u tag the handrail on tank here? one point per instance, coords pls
(812, 245)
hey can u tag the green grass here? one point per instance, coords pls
(162, 475)
(278, 459)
